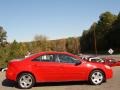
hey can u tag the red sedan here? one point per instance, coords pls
(55, 67)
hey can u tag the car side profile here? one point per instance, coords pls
(55, 67)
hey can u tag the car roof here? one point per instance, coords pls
(52, 52)
(55, 52)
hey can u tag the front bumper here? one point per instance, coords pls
(109, 73)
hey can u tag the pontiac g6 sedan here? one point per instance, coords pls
(55, 67)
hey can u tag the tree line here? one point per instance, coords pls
(102, 35)
(40, 43)
(105, 34)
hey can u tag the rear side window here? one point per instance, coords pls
(46, 58)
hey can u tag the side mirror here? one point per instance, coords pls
(78, 62)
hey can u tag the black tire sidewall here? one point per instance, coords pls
(18, 81)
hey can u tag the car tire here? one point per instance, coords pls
(25, 81)
(96, 77)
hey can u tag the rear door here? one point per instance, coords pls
(47, 68)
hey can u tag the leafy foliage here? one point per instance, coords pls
(107, 34)
(40, 43)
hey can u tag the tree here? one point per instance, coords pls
(98, 30)
(14, 49)
(73, 45)
(41, 43)
(103, 27)
(113, 37)
(61, 45)
(3, 36)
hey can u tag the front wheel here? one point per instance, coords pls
(96, 77)
(25, 81)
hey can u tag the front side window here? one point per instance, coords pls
(66, 59)
(45, 58)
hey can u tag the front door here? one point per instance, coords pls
(71, 71)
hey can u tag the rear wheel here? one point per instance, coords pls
(96, 77)
(25, 81)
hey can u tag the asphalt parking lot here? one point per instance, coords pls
(112, 84)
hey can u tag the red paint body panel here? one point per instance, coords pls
(54, 71)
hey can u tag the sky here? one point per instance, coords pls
(23, 19)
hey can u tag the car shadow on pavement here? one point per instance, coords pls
(8, 83)
(69, 83)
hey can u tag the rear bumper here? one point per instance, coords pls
(10, 75)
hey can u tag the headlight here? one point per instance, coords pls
(108, 67)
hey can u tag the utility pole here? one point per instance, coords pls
(95, 43)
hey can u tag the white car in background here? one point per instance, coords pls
(96, 59)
